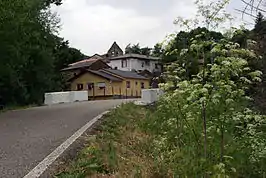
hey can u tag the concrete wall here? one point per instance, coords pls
(65, 97)
(118, 64)
(138, 64)
(75, 96)
(151, 95)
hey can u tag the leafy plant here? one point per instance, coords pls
(198, 127)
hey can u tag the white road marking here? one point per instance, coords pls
(44, 164)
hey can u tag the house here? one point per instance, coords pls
(113, 74)
(116, 58)
(135, 62)
(109, 83)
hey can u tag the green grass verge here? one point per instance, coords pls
(118, 149)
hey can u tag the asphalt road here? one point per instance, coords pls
(28, 136)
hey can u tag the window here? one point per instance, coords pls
(124, 63)
(128, 84)
(80, 87)
(156, 66)
(147, 63)
(101, 85)
(142, 85)
(90, 86)
(136, 83)
(142, 64)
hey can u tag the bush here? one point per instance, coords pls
(203, 126)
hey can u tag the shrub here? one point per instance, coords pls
(203, 126)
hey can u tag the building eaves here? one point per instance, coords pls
(137, 56)
(105, 75)
(124, 74)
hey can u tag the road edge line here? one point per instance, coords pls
(50, 159)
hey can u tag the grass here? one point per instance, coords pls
(120, 148)
(11, 108)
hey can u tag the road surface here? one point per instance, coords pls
(28, 136)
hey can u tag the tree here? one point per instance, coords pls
(145, 51)
(259, 22)
(181, 41)
(65, 55)
(29, 51)
(134, 49)
(241, 37)
(157, 50)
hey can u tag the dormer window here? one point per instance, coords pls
(124, 63)
(147, 63)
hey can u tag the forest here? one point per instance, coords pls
(32, 54)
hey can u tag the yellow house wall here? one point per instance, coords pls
(135, 89)
(112, 88)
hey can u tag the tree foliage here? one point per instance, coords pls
(158, 50)
(202, 123)
(204, 126)
(30, 51)
(136, 49)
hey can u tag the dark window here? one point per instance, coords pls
(142, 85)
(147, 63)
(156, 66)
(80, 86)
(90, 86)
(128, 84)
(124, 63)
(142, 64)
(136, 83)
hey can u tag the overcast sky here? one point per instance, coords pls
(93, 25)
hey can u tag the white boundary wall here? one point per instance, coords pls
(78, 96)
(150, 95)
(65, 97)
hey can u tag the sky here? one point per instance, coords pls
(93, 25)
